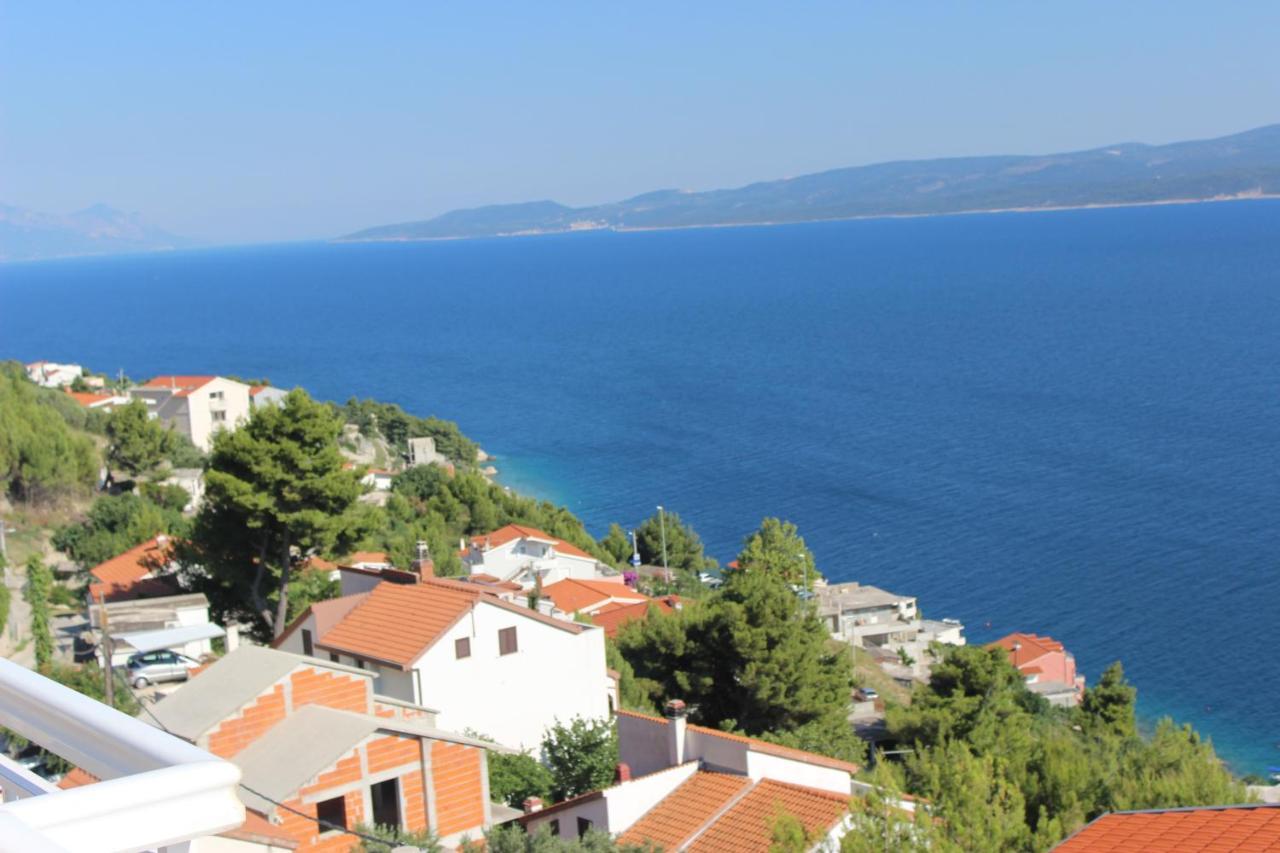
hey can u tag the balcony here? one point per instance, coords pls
(158, 792)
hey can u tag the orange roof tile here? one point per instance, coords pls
(1029, 647)
(685, 810)
(87, 399)
(755, 744)
(75, 778)
(367, 557)
(120, 576)
(747, 827)
(572, 595)
(184, 385)
(612, 620)
(1220, 829)
(419, 613)
(503, 535)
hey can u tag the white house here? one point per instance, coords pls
(266, 395)
(529, 556)
(53, 375)
(485, 664)
(196, 406)
(685, 787)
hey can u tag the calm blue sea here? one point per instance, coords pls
(1066, 422)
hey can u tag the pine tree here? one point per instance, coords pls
(778, 548)
(275, 491)
(136, 442)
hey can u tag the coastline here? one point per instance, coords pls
(625, 229)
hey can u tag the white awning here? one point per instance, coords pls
(167, 638)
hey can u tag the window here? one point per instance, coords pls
(555, 827)
(507, 641)
(216, 395)
(359, 663)
(332, 814)
(307, 648)
(219, 416)
(584, 826)
(462, 648)
(333, 656)
(385, 798)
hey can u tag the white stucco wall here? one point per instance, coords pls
(629, 801)
(555, 675)
(761, 766)
(642, 744)
(594, 810)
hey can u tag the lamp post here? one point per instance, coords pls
(662, 523)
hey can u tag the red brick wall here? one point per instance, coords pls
(235, 733)
(331, 689)
(459, 788)
(307, 832)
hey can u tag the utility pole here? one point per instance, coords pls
(107, 651)
(662, 521)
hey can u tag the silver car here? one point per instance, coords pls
(153, 667)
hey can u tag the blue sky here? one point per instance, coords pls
(237, 122)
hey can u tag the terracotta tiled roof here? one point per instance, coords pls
(183, 384)
(398, 622)
(755, 744)
(1218, 829)
(503, 535)
(747, 827)
(75, 778)
(572, 595)
(367, 557)
(612, 620)
(255, 390)
(328, 613)
(87, 399)
(685, 810)
(1029, 647)
(420, 614)
(119, 577)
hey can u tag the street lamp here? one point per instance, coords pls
(662, 522)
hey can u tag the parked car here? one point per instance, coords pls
(866, 694)
(154, 667)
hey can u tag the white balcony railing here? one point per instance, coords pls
(157, 793)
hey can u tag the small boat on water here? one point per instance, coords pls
(1274, 772)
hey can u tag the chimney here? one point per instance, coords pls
(532, 804)
(622, 773)
(424, 565)
(675, 712)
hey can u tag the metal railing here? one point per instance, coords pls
(157, 792)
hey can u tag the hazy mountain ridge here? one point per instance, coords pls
(30, 234)
(1239, 165)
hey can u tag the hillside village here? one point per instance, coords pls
(517, 682)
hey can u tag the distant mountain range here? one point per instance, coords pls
(29, 234)
(1239, 166)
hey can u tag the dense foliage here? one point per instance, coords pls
(39, 586)
(513, 778)
(750, 658)
(42, 458)
(396, 426)
(393, 838)
(510, 838)
(684, 549)
(136, 443)
(428, 504)
(116, 523)
(1005, 770)
(777, 548)
(275, 490)
(582, 756)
